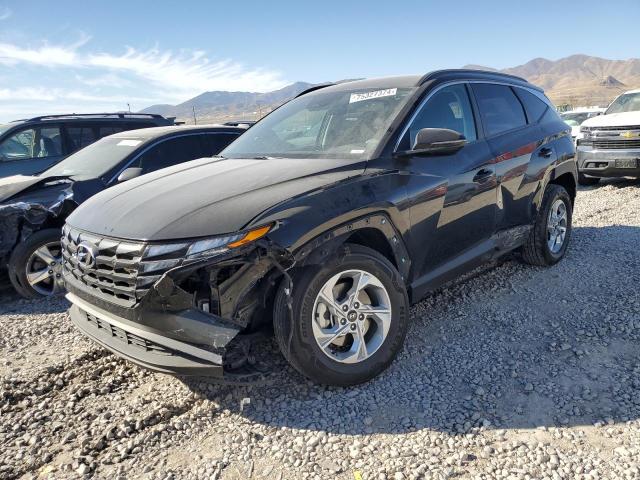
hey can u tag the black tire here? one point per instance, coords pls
(536, 250)
(586, 181)
(20, 256)
(296, 340)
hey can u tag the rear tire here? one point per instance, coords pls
(38, 254)
(540, 249)
(373, 323)
(586, 181)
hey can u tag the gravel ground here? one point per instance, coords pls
(512, 372)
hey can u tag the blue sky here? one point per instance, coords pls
(83, 56)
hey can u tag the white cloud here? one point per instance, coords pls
(180, 73)
(43, 94)
(5, 12)
(71, 77)
(47, 55)
(192, 72)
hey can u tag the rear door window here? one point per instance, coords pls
(216, 142)
(500, 109)
(37, 142)
(104, 131)
(80, 136)
(171, 152)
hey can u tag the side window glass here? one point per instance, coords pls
(448, 108)
(499, 107)
(80, 136)
(104, 131)
(216, 143)
(170, 152)
(533, 105)
(32, 143)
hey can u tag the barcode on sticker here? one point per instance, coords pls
(359, 97)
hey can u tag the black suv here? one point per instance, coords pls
(34, 208)
(327, 218)
(33, 145)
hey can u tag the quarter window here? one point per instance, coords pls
(447, 108)
(39, 142)
(533, 105)
(499, 107)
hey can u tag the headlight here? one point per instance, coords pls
(217, 245)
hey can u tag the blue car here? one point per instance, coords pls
(28, 147)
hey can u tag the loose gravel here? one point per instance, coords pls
(512, 372)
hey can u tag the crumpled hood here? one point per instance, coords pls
(624, 119)
(204, 197)
(11, 186)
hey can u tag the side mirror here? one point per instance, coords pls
(436, 141)
(129, 173)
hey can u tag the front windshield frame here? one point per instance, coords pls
(617, 106)
(404, 97)
(5, 127)
(129, 146)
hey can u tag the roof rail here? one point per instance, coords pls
(101, 115)
(314, 88)
(438, 73)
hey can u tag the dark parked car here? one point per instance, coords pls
(33, 209)
(328, 217)
(31, 146)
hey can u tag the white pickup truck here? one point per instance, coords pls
(610, 143)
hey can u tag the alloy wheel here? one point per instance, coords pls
(351, 316)
(44, 269)
(557, 226)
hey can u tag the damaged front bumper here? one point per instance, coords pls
(184, 323)
(151, 348)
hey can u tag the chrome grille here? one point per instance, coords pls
(616, 144)
(123, 270)
(610, 128)
(126, 337)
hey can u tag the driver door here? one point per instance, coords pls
(452, 196)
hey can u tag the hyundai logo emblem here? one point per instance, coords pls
(86, 254)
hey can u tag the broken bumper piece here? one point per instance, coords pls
(151, 348)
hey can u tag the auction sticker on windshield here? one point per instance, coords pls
(359, 97)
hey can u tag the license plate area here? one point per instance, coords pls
(627, 163)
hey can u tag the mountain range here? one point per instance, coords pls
(577, 80)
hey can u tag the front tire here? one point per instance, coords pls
(549, 238)
(347, 318)
(35, 266)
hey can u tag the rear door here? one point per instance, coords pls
(513, 141)
(30, 150)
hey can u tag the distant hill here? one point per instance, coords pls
(219, 106)
(580, 79)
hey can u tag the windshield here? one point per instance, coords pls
(96, 159)
(324, 124)
(628, 102)
(5, 127)
(576, 119)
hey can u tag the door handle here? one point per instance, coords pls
(482, 174)
(545, 152)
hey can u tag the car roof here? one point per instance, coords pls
(151, 133)
(409, 81)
